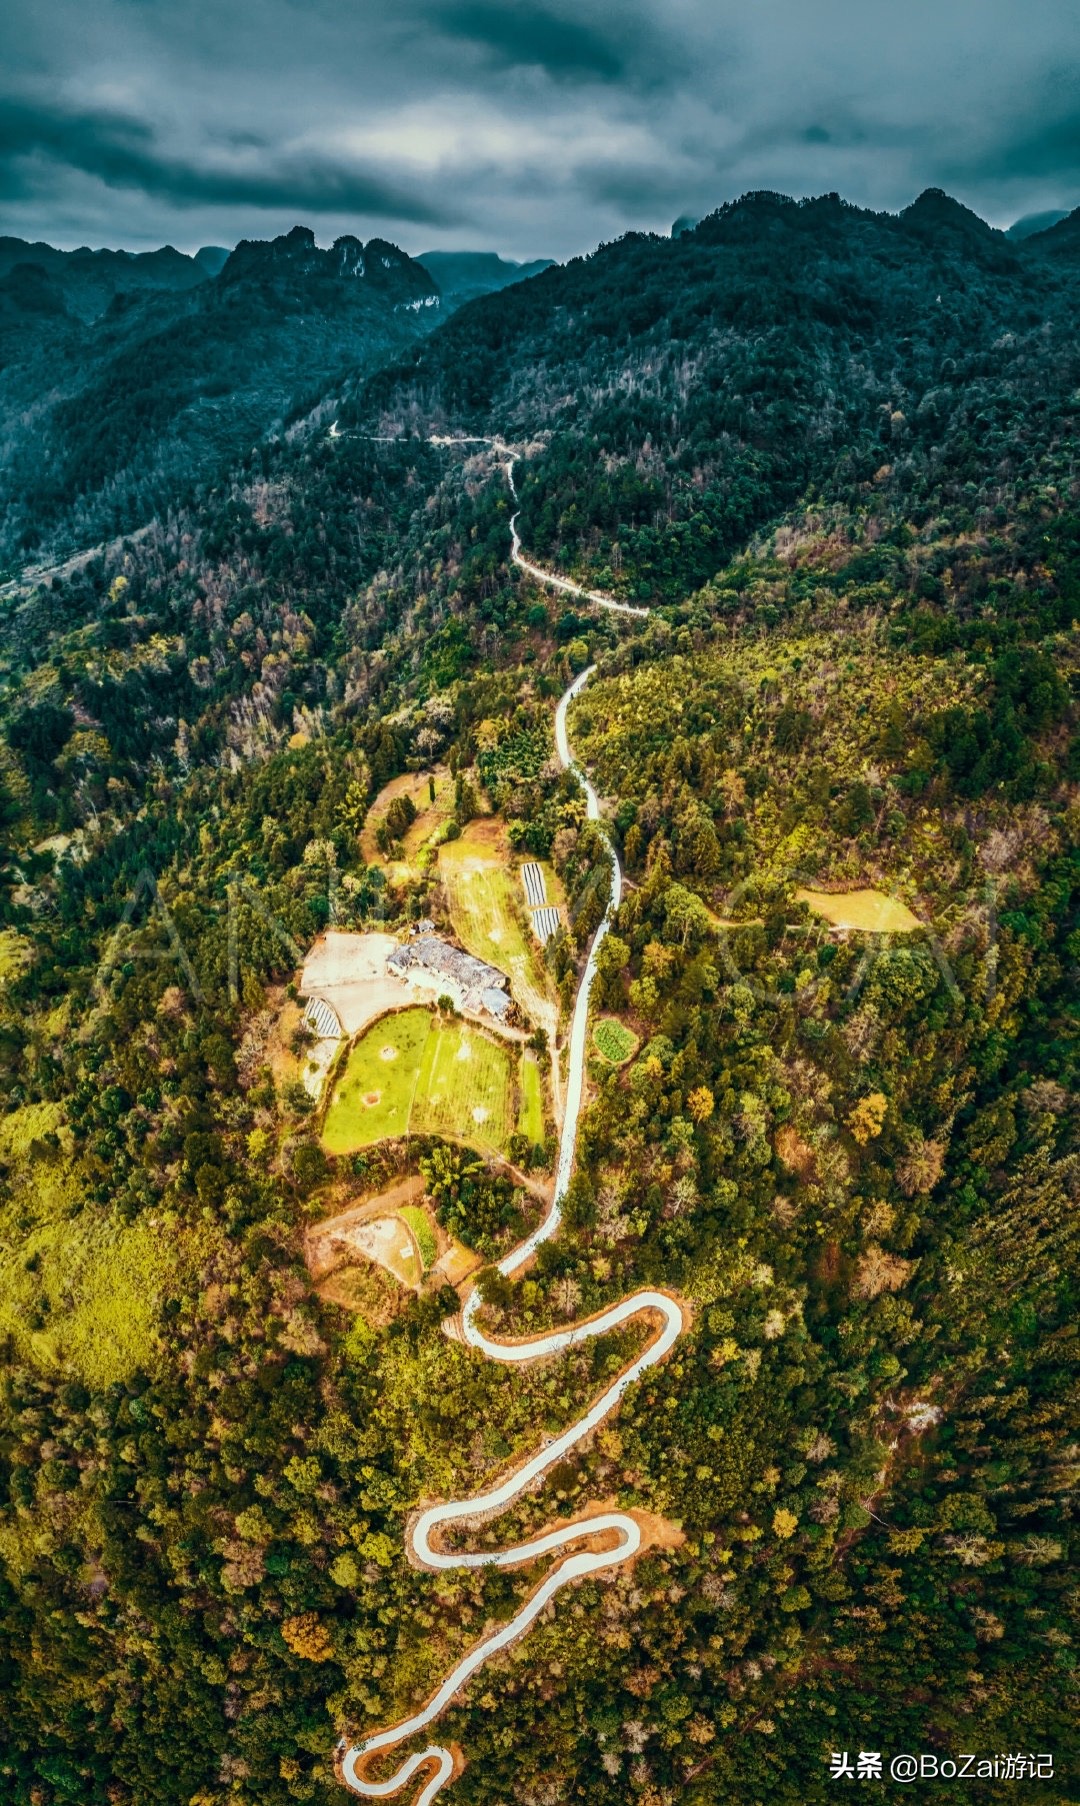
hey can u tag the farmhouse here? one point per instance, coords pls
(475, 986)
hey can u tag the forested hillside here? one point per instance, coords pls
(694, 388)
(88, 281)
(109, 421)
(833, 452)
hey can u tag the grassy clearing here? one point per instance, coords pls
(373, 1098)
(870, 911)
(431, 817)
(414, 1073)
(613, 1040)
(21, 1127)
(417, 1220)
(78, 1290)
(531, 1106)
(15, 954)
(86, 1294)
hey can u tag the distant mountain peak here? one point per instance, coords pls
(933, 207)
(1031, 224)
(1059, 239)
(212, 258)
(466, 275)
(295, 255)
(89, 280)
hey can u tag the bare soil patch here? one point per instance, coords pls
(390, 1243)
(349, 972)
(330, 1243)
(457, 1264)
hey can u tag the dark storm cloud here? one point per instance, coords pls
(532, 37)
(102, 144)
(530, 126)
(120, 151)
(1050, 148)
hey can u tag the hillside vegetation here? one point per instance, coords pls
(833, 451)
(108, 422)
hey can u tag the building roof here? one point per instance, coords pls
(482, 988)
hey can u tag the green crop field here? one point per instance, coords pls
(614, 1040)
(531, 1107)
(412, 1072)
(481, 889)
(417, 1220)
(464, 1088)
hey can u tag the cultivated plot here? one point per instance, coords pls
(416, 1073)
(486, 902)
(431, 815)
(531, 1115)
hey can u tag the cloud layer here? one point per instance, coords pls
(528, 128)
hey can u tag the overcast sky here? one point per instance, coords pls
(531, 129)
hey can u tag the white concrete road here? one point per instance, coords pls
(566, 585)
(424, 1541)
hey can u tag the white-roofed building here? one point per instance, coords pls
(428, 960)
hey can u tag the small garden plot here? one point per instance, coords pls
(414, 823)
(614, 1041)
(415, 1073)
(531, 1104)
(423, 1234)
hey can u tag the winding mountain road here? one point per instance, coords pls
(621, 1532)
(567, 585)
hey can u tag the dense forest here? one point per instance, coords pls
(107, 422)
(833, 452)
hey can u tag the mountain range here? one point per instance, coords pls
(778, 344)
(127, 378)
(297, 678)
